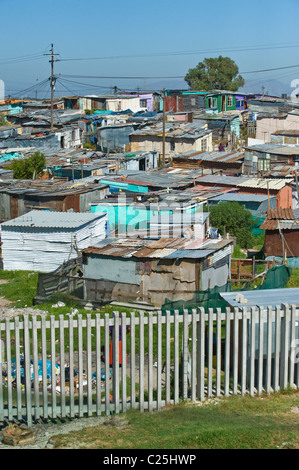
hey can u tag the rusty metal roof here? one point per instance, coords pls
(280, 214)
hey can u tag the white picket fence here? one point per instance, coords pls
(50, 367)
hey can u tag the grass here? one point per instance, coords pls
(266, 422)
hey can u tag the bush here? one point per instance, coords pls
(233, 218)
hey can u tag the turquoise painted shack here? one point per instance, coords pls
(126, 214)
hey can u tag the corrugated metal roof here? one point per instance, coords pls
(259, 183)
(281, 214)
(240, 197)
(52, 219)
(263, 297)
(162, 248)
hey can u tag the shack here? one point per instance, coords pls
(43, 240)
(149, 271)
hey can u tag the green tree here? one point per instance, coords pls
(29, 168)
(233, 218)
(220, 73)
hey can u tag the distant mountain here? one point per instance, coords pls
(270, 87)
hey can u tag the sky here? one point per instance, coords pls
(153, 43)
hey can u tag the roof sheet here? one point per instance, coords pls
(263, 297)
(259, 183)
(52, 219)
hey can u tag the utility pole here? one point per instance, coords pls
(163, 138)
(52, 81)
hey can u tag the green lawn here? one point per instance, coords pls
(267, 422)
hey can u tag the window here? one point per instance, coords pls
(204, 145)
(229, 100)
(143, 103)
(212, 102)
(172, 145)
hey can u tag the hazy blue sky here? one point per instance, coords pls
(144, 39)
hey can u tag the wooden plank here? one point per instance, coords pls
(35, 368)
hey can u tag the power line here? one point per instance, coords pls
(175, 53)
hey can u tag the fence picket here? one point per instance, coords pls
(141, 361)
(62, 366)
(44, 367)
(284, 362)
(124, 361)
(252, 350)
(227, 353)
(167, 358)
(235, 350)
(201, 355)
(277, 347)
(176, 357)
(53, 365)
(218, 352)
(133, 359)
(210, 351)
(269, 349)
(150, 361)
(193, 356)
(107, 369)
(80, 365)
(89, 364)
(18, 368)
(292, 342)
(71, 366)
(159, 360)
(260, 351)
(27, 372)
(244, 350)
(98, 364)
